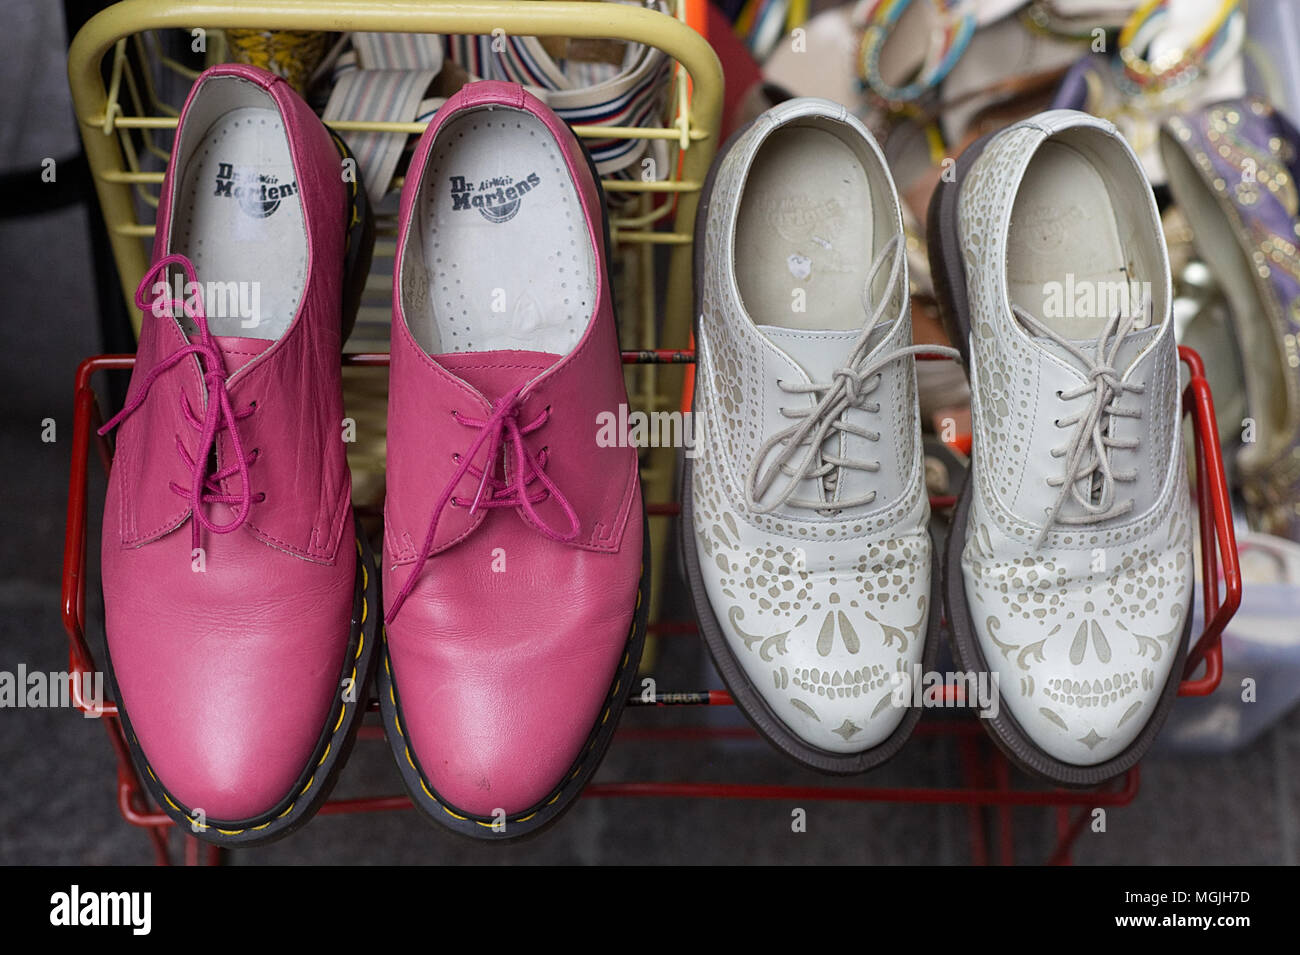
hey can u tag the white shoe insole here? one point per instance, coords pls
(804, 233)
(507, 254)
(239, 220)
(1066, 262)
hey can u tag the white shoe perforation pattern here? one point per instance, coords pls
(1083, 628)
(821, 614)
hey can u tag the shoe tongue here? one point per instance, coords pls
(1130, 347)
(495, 373)
(238, 352)
(820, 353)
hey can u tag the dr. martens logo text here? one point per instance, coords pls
(258, 194)
(498, 198)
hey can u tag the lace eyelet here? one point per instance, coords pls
(1059, 394)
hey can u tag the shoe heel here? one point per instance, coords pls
(943, 239)
(360, 243)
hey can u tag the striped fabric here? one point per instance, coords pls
(398, 51)
(634, 93)
(387, 95)
(384, 78)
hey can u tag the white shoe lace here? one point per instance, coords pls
(1106, 385)
(849, 387)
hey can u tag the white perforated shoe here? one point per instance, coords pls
(1069, 568)
(805, 512)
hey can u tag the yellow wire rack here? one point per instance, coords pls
(123, 119)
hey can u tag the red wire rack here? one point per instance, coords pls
(986, 774)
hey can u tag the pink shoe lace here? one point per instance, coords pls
(501, 432)
(219, 414)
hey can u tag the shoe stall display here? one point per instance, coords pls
(408, 278)
(766, 510)
(1076, 517)
(463, 390)
(229, 480)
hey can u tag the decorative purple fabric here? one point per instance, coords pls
(1248, 158)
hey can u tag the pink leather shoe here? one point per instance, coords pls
(239, 594)
(514, 568)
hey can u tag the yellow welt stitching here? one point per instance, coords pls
(627, 654)
(329, 746)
